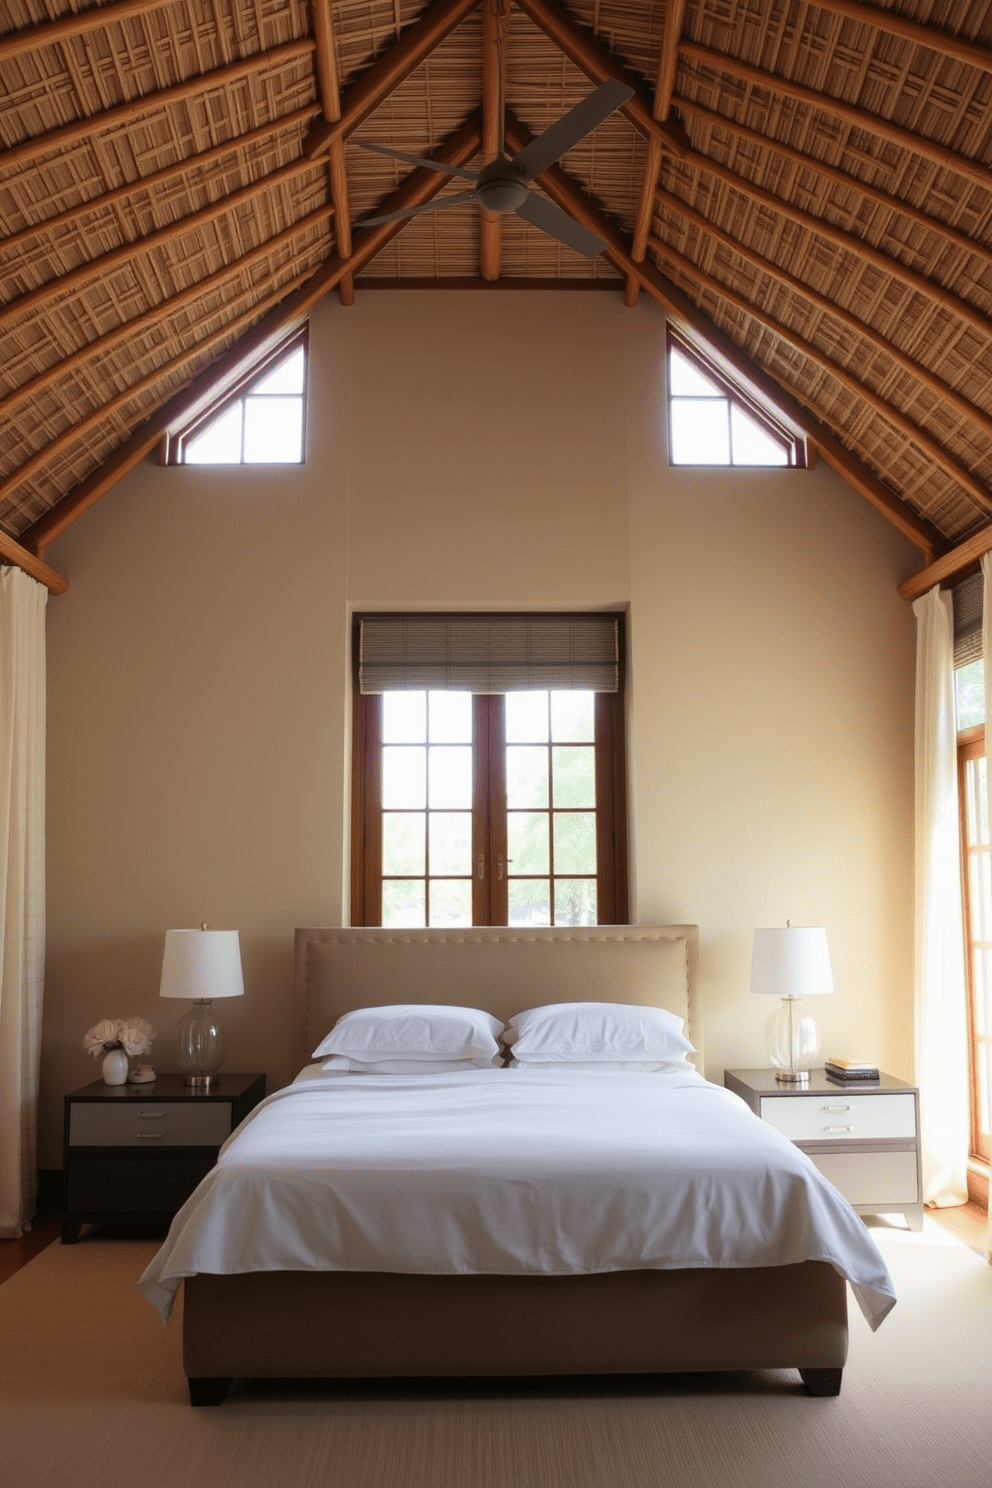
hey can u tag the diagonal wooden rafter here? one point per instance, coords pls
(66, 28)
(815, 166)
(395, 65)
(57, 141)
(668, 58)
(911, 278)
(330, 97)
(567, 195)
(599, 65)
(906, 139)
(974, 488)
(972, 52)
(419, 187)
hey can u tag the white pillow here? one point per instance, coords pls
(599, 1066)
(566, 1032)
(343, 1064)
(413, 1031)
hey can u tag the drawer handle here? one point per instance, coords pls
(838, 1128)
(150, 1136)
(151, 1115)
(836, 1108)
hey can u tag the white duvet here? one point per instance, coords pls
(507, 1172)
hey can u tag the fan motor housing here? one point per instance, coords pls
(500, 188)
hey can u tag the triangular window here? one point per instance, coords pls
(711, 421)
(259, 421)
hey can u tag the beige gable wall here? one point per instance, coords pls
(490, 450)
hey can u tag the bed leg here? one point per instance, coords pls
(208, 1389)
(822, 1381)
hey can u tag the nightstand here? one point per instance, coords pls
(135, 1153)
(864, 1138)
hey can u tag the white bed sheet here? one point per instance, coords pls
(512, 1172)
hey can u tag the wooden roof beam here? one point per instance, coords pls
(975, 488)
(972, 52)
(117, 257)
(12, 552)
(330, 98)
(495, 39)
(883, 199)
(599, 65)
(413, 47)
(949, 566)
(668, 59)
(57, 141)
(570, 197)
(66, 28)
(859, 118)
(911, 278)
(419, 187)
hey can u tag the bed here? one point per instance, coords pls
(288, 1314)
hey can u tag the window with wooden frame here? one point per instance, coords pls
(488, 771)
(714, 421)
(260, 419)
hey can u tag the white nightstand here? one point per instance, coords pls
(864, 1138)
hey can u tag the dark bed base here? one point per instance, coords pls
(357, 1325)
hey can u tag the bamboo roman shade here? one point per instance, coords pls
(489, 653)
(968, 604)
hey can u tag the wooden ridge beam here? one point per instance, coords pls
(573, 200)
(419, 187)
(66, 28)
(600, 65)
(911, 278)
(917, 144)
(972, 52)
(976, 489)
(668, 58)
(883, 199)
(395, 65)
(159, 313)
(494, 41)
(966, 410)
(125, 114)
(330, 97)
(161, 237)
(949, 565)
(201, 161)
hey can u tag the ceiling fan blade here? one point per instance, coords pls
(571, 127)
(539, 212)
(458, 200)
(434, 165)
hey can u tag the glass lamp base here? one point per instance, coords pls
(793, 1043)
(201, 1044)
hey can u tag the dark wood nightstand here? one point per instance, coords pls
(135, 1153)
(864, 1138)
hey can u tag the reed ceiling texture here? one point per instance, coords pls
(805, 188)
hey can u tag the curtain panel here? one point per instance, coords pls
(941, 1030)
(22, 889)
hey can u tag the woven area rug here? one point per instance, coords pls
(92, 1395)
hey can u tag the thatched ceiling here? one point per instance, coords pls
(805, 187)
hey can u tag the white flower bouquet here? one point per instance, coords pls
(133, 1035)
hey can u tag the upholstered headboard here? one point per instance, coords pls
(501, 970)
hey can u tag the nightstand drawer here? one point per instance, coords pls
(147, 1123)
(841, 1117)
(871, 1178)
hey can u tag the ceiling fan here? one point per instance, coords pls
(504, 185)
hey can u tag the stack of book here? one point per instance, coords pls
(850, 1071)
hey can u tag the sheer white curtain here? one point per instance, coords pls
(987, 654)
(941, 1011)
(22, 888)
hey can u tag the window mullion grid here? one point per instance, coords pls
(971, 750)
(498, 902)
(372, 755)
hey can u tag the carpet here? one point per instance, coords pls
(92, 1395)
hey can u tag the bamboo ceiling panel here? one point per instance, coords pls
(809, 184)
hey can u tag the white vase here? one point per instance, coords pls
(115, 1067)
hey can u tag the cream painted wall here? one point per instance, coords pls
(475, 449)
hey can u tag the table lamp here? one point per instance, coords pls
(203, 965)
(791, 963)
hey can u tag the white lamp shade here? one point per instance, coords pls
(202, 965)
(791, 961)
